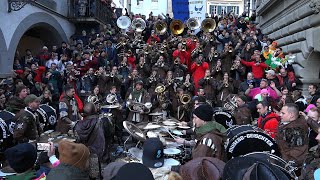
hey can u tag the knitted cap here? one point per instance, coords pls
(73, 154)
(204, 112)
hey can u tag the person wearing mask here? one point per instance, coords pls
(27, 127)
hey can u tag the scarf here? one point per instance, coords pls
(210, 126)
(136, 94)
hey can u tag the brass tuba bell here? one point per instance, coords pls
(160, 27)
(176, 27)
(138, 24)
(193, 24)
(208, 25)
(123, 22)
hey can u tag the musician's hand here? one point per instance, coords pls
(294, 84)
(72, 124)
(184, 123)
(180, 140)
(250, 86)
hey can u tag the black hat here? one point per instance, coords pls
(153, 153)
(204, 112)
(134, 170)
(21, 157)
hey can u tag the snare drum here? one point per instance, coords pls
(48, 116)
(247, 139)
(8, 119)
(224, 117)
(275, 161)
(172, 152)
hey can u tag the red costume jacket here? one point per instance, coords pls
(131, 61)
(269, 124)
(184, 57)
(258, 71)
(153, 37)
(39, 72)
(198, 72)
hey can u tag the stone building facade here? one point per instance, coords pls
(295, 25)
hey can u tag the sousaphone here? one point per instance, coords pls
(160, 27)
(193, 24)
(208, 25)
(138, 24)
(123, 22)
(176, 27)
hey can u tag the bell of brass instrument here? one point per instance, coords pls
(183, 48)
(160, 27)
(123, 22)
(160, 89)
(231, 103)
(176, 61)
(193, 24)
(185, 99)
(215, 54)
(208, 25)
(93, 99)
(138, 25)
(111, 98)
(112, 75)
(176, 27)
(139, 107)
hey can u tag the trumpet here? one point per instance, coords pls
(141, 65)
(218, 68)
(176, 61)
(152, 78)
(121, 43)
(215, 54)
(185, 99)
(169, 81)
(97, 73)
(187, 84)
(123, 64)
(230, 50)
(234, 66)
(225, 83)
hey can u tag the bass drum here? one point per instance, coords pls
(247, 139)
(47, 116)
(7, 117)
(6, 137)
(276, 161)
(224, 117)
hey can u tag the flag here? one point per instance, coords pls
(185, 9)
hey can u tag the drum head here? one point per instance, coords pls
(134, 131)
(275, 161)
(170, 162)
(8, 118)
(171, 151)
(225, 118)
(250, 141)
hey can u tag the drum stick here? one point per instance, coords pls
(174, 137)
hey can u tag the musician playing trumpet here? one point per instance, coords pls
(198, 69)
(209, 85)
(162, 67)
(188, 85)
(216, 70)
(224, 88)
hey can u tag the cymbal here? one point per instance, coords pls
(156, 114)
(134, 131)
(110, 106)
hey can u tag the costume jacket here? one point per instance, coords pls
(242, 115)
(292, 139)
(209, 142)
(269, 123)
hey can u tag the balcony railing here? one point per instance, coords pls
(90, 10)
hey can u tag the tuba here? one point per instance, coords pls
(138, 24)
(176, 27)
(185, 99)
(111, 98)
(160, 27)
(123, 22)
(231, 103)
(208, 25)
(160, 89)
(193, 24)
(139, 107)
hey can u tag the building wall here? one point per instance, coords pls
(294, 24)
(16, 23)
(219, 5)
(146, 6)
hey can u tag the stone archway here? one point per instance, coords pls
(3, 55)
(49, 29)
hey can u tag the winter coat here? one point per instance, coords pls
(269, 123)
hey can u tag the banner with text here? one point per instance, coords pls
(185, 9)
